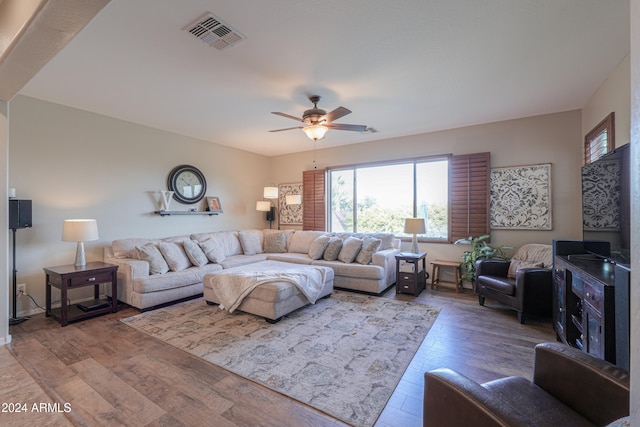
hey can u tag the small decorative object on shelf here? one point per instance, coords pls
(166, 199)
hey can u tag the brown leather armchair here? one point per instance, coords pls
(569, 388)
(528, 290)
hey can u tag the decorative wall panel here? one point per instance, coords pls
(289, 214)
(521, 197)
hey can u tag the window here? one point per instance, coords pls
(600, 140)
(378, 197)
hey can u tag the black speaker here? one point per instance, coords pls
(271, 214)
(19, 213)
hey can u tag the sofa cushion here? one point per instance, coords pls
(173, 280)
(302, 239)
(517, 264)
(174, 255)
(251, 241)
(275, 242)
(239, 260)
(195, 253)
(151, 254)
(358, 271)
(333, 249)
(370, 245)
(227, 240)
(212, 250)
(291, 257)
(350, 248)
(316, 250)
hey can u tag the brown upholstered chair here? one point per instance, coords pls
(569, 388)
(524, 283)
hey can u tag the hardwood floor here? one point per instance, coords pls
(111, 374)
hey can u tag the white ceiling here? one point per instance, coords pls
(403, 67)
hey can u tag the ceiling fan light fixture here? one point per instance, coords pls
(315, 132)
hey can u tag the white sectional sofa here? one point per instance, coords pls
(178, 273)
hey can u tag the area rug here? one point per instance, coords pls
(344, 355)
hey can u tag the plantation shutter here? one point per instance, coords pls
(469, 195)
(313, 200)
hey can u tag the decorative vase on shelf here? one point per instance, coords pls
(166, 199)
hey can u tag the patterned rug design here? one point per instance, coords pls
(344, 355)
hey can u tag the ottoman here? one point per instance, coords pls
(270, 300)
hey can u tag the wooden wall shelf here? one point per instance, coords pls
(169, 213)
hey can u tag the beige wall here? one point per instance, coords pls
(75, 164)
(612, 95)
(553, 138)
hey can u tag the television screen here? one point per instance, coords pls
(606, 202)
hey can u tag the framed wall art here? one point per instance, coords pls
(213, 204)
(520, 197)
(290, 213)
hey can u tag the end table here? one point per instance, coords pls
(411, 274)
(68, 277)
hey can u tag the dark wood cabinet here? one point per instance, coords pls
(411, 274)
(584, 306)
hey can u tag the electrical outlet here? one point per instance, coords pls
(21, 288)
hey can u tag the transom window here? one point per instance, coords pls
(378, 197)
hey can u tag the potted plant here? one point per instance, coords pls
(479, 250)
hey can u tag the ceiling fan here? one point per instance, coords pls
(317, 121)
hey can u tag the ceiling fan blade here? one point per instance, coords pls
(297, 119)
(337, 113)
(340, 126)
(280, 130)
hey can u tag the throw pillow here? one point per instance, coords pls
(251, 241)
(517, 264)
(174, 255)
(275, 243)
(302, 239)
(151, 254)
(370, 245)
(195, 253)
(333, 249)
(212, 250)
(350, 248)
(316, 250)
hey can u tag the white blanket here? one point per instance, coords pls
(232, 288)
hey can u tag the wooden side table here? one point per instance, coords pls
(68, 277)
(411, 272)
(435, 276)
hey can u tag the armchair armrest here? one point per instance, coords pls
(453, 400)
(593, 387)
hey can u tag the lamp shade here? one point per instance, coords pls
(270, 192)
(414, 226)
(79, 230)
(294, 199)
(263, 206)
(315, 132)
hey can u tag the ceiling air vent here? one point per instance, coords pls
(211, 30)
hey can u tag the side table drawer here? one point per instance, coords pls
(593, 296)
(90, 279)
(406, 283)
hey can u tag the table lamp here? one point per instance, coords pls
(414, 226)
(80, 230)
